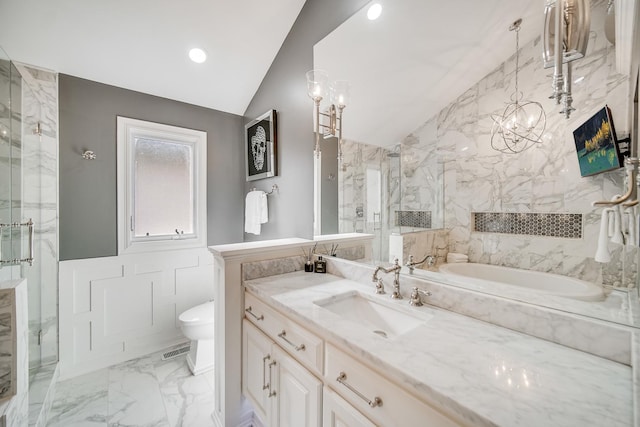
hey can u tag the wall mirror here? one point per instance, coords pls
(406, 135)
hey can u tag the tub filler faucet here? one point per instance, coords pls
(395, 268)
(429, 259)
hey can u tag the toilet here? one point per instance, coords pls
(196, 324)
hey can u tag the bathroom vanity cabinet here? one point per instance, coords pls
(288, 384)
(431, 367)
(281, 390)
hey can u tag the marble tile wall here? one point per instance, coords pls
(419, 244)
(357, 211)
(15, 410)
(450, 158)
(7, 341)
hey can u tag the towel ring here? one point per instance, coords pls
(274, 188)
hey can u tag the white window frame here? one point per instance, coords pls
(127, 131)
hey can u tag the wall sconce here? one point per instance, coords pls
(329, 121)
(89, 155)
(570, 31)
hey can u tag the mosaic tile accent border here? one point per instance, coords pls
(568, 226)
(418, 219)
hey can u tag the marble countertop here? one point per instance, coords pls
(485, 374)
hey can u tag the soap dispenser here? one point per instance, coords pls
(320, 265)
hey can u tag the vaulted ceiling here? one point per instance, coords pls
(142, 45)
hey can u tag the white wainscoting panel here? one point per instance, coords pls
(114, 309)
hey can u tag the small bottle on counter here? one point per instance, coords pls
(320, 265)
(308, 266)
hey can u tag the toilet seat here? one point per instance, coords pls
(199, 315)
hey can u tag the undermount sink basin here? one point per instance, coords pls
(380, 319)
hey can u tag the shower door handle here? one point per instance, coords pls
(30, 228)
(29, 225)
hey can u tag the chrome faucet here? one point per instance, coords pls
(415, 300)
(396, 281)
(429, 259)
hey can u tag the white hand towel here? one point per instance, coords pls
(255, 212)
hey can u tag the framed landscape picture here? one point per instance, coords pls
(260, 146)
(596, 144)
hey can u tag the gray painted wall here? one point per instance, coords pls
(88, 215)
(284, 89)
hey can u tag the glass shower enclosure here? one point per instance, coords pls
(28, 206)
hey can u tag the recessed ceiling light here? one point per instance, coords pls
(197, 55)
(374, 11)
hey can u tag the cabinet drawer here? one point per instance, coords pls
(380, 400)
(304, 346)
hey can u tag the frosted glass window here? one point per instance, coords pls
(163, 188)
(162, 179)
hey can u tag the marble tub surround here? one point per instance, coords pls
(480, 374)
(620, 305)
(603, 339)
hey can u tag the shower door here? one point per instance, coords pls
(368, 189)
(23, 194)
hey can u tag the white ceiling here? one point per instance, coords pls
(418, 57)
(142, 45)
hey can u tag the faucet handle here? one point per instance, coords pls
(380, 287)
(414, 299)
(410, 263)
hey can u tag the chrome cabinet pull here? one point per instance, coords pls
(265, 385)
(248, 310)
(271, 392)
(342, 379)
(283, 335)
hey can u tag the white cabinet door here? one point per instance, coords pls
(337, 412)
(257, 368)
(298, 392)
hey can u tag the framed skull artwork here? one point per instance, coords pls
(260, 146)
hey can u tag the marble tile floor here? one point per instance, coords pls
(142, 392)
(41, 393)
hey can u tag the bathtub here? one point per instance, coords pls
(533, 281)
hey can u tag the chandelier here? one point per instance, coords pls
(522, 122)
